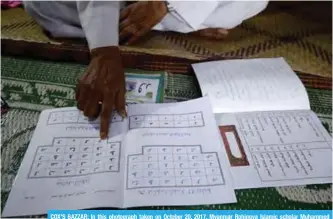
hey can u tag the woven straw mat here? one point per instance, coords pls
(31, 86)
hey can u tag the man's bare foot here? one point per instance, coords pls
(211, 33)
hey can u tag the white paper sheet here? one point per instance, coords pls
(185, 168)
(159, 155)
(251, 85)
(59, 171)
(281, 148)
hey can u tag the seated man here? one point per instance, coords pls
(106, 23)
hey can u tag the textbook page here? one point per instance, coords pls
(277, 148)
(251, 85)
(169, 159)
(67, 166)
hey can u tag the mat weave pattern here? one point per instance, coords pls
(299, 31)
(31, 86)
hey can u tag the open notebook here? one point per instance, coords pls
(270, 134)
(158, 155)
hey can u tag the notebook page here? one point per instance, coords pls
(169, 160)
(277, 148)
(251, 85)
(67, 166)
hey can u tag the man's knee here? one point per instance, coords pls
(59, 19)
(30, 7)
(38, 11)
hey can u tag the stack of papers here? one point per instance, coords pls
(253, 128)
(269, 133)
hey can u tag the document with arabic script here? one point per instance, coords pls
(268, 130)
(157, 156)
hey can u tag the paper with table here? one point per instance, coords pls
(269, 133)
(158, 155)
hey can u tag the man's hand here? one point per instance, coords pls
(139, 18)
(102, 87)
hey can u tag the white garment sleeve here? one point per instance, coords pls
(100, 22)
(233, 13)
(194, 13)
(226, 14)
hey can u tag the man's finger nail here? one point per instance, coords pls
(123, 113)
(222, 31)
(103, 135)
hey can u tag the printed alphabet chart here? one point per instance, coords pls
(158, 155)
(75, 157)
(179, 166)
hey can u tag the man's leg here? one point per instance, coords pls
(59, 18)
(225, 17)
(230, 15)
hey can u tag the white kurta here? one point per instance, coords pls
(98, 21)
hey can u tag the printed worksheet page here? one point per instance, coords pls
(67, 166)
(251, 85)
(174, 156)
(277, 148)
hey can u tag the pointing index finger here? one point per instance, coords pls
(106, 111)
